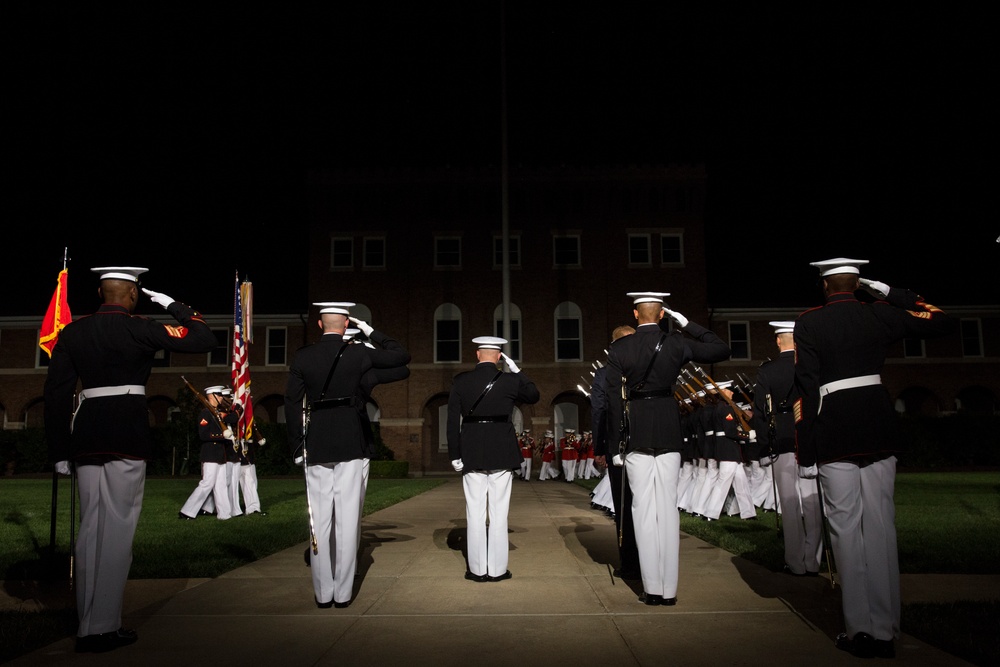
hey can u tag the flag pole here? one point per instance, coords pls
(55, 481)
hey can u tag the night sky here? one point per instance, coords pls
(176, 137)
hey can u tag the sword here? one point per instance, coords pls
(305, 471)
(826, 535)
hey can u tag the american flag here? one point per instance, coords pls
(242, 316)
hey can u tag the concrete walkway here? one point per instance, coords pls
(413, 607)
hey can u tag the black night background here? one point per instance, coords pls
(176, 135)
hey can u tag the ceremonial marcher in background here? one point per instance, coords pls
(848, 435)
(606, 452)
(649, 361)
(247, 450)
(587, 460)
(569, 454)
(234, 469)
(527, 447)
(688, 453)
(215, 430)
(774, 422)
(548, 469)
(708, 470)
(105, 434)
(482, 445)
(729, 441)
(326, 434)
(248, 473)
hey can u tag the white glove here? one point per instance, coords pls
(808, 472)
(680, 319)
(228, 434)
(877, 287)
(752, 435)
(158, 297)
(618, 460)
(510, 363)
(366, 328)
(262, 442)
(299, 460)
(457, 465)
(62, 467)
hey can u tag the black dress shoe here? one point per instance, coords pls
(342, 605)
(884, 648)
(624, 573)
(205, 513)
(477, 577)
(668, 602)
(259, 512)
(106, 641)
(651, 599)
(502, 577)
(183, 517)
(324, 605)
(861, 646)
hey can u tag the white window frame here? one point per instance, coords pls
(513, 249)
(229, 349)
(680, 239)
(268, 347)
(567, 310)
(334, 266)
(649, 249)
(364, 253)
(448, 312)
(516, 342)
(978, 324)
(437, 252)
(579, 260)
(746, 331)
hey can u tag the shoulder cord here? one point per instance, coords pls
(336, 361)
(485, 391)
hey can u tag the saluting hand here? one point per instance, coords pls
(366, 328)
(158, 297)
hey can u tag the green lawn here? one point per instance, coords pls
(946, 523)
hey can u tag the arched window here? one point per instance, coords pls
(568, 322)
(447, 333)
(515, 329)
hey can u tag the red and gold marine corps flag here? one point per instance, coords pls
(56, 317)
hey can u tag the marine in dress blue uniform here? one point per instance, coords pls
(215, 430)
(104, 432)
(847, 433)
(798, 501)
(336, 449)
(606, 451)
(652, 453)
(482, 445)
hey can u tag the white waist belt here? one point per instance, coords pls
(707, 433)
(98, 392)
(846, 383)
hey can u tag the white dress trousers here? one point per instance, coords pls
(653, 480)
(487, 497)
(862, 516)
(336, 499)
(248, 486)
(802, 520)
(110, 504)
(212, 485)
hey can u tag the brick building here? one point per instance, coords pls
(421, 253)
